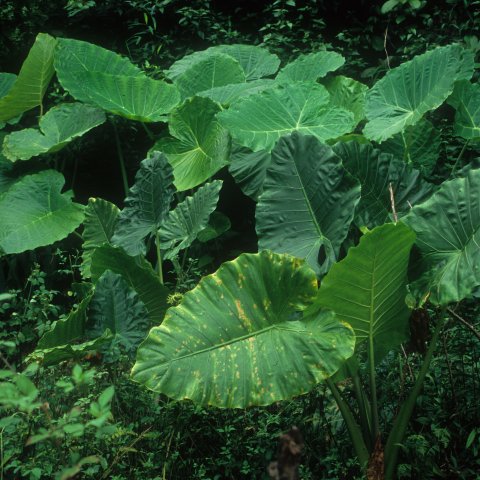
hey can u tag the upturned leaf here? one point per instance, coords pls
(259, 120)
(367, 289)
(308, 202)
(31, 84)
(188, 219)
(407, 92)
(448, 237)
(199, 145)
(146, 205)
(34, 213)
(239, 338)
(58, 127)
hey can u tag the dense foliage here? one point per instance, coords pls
(132, 311)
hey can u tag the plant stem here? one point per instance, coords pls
(400, 424)
(352, 426)
(364, 411)
(459, 157)
(151, 136)
(159, 256)
(373, 390)
(470, 327)
(120, 158)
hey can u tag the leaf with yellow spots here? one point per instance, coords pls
(240, 338)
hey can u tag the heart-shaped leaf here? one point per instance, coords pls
(239, 339)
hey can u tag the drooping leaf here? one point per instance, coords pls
(199, 145)
(139, 275)
(259, 120)
(407, 92)
(448, 236)
(188, 219)
(34, 213)
(310, 67)
(228, 94)
(368, 287)
(213, 71)
(146, 205)
(59, 126)
(95, 75)
(31, 84)
(466, 99)
(417, 145)
(249, 169)
(98, 228)
(68, 330)
(308, 202)
(348, 94)
(239, 339)
(256, 62)
(115, 306)
(376, 171)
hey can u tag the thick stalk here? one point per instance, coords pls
(400, 424)
(373, 390)
(364, 412)
(121, 160)
(159, 257)
(352, 426)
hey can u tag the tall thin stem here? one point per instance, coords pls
(373, 390)
(159, 257)
(120, 158)
(459, 157)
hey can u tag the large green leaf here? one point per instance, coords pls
(417, 145)
(256, 62)
(188, 219)
(407, 92)
(349, 94)
(368, 287)
(308, 202)
(466, 99)
(259, 120)
(138, 274)
(448, 236)
(115, 306)
(310, 67)
(376, 171)
(213, 71)
(146, 205)
(249, 169)
(239, 339)
(92, 74)
(200, 145)
(34, 213)
(58, 127)
(98, 228)
(7, 176)
(31, 84)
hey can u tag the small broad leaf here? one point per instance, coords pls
(407, 92)
(215, 70)
(368, 287)
(98, 228)
(348, 94)
(188, 219)
(58, 127)
(199, 145)
(239, 338)
(310, 67)
(218, 224)
(34, 213)
(249, 169)
(466, 99)
(139, 275)
(308, 202)
(31, 84)
(448, 237)
(116, 307)
(146, 205)
(417, 145)
(259, 120)
(376, 171)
